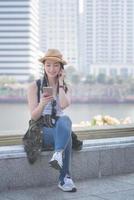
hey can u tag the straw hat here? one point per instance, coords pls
(53, 54)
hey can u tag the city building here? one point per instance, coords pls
(19, 38)
(108, 38)
(59, 28)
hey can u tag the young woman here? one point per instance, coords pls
(60, 135)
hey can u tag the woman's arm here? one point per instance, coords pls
(64, 97)
(36, 108)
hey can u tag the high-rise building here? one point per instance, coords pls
(19, 38)
(59, 27)
(109, 35)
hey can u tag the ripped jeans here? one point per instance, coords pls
(60, 138)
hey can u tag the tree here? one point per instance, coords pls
(70, 69)
(119, 79)
(101, 78)
(75, 78)
(90, 79)
(110, 80)
(72, 74)
(7, 80)
(31, 78)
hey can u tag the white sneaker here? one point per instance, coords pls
(56, 160)
(68, 185)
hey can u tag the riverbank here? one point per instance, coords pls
(80, 93)
(23, 100)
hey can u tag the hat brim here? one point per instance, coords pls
(53, 58)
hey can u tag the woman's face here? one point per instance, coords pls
(52, 68)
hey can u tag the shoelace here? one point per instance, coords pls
(58, 153)
(69, 181)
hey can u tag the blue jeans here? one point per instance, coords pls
(60, 138)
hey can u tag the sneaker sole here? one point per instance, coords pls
(67, 190)
(55, 165)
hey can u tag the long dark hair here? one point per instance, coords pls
(45, 81)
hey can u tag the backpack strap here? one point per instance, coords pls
(38, 83)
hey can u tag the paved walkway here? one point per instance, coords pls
(108, 188)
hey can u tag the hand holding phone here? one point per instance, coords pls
(47, 91)
(46, 96)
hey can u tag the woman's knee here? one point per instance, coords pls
(65, 125)
(65, 120)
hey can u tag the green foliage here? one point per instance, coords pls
(70, 70)
(75, 78)
(110, 80)
(93, 122)
(31, 78)
(101, 78)
(7, 80)
(90, 79)
(119, 80)
(72, 75)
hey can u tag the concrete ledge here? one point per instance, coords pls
(83, 133)
(98, 158)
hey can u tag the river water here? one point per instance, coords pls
(14, 117)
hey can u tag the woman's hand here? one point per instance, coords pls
(61, 76)
(45, 99)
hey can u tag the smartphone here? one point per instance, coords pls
(48, 91)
